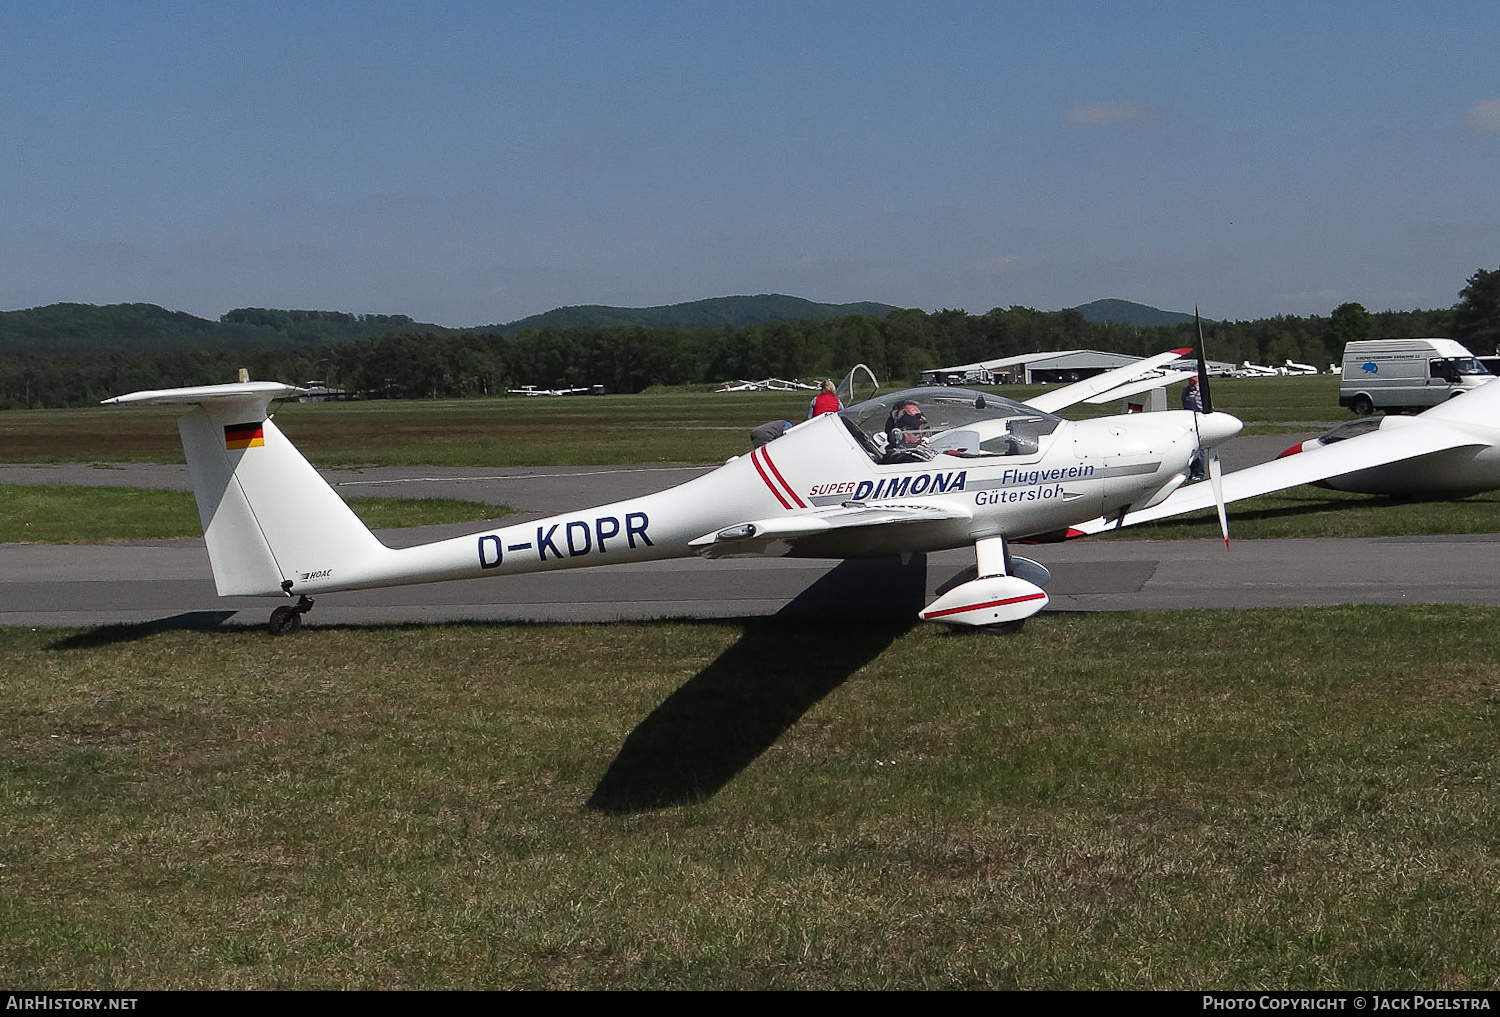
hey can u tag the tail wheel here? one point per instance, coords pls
(286, 621)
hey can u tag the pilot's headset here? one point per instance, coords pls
(911, 424)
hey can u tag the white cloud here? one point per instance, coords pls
(1485, 117)
(1101, 114)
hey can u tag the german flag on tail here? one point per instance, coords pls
(238, 436)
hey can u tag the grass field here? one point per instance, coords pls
(1262, 799)
(668, 426)
(61, 514)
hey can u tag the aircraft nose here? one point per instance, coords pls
(1217, 428)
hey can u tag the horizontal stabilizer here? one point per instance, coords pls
(197, 395)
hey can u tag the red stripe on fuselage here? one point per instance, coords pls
(762, 471)
(788, 487)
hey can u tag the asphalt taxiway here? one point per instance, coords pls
(170, 581)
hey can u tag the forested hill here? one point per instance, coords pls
(76, 354)
(716, 312)
(1126, 312)
(147, 328)
(66, 328)
(60, 328)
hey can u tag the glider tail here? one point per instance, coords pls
(264, 509)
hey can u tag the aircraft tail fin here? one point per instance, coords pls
(270, 521)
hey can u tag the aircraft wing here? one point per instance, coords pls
(1051, 402)
(758, 536)
(1364, 452)
(995, 365)
(1144, 385)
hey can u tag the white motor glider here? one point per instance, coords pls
(920, 470)
(1450, 450)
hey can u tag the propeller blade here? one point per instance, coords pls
(1215, 468)
(1216, 478)
(1208, 402)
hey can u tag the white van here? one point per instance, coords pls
(1406, 374)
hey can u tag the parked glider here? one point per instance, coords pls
(1450, 450)
(532, 390)
(920, 470)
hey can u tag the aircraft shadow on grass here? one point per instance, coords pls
(725, 716)
(717, 723)
(111, 635)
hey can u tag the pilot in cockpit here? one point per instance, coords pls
(905, 429)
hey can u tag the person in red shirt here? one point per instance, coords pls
(825, 402)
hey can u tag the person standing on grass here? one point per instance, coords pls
(1192, 399)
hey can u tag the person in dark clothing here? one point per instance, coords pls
(769, 431)
(1192, 398)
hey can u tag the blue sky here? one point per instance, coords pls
(471, 163)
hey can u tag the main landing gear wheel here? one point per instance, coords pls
(286, 621)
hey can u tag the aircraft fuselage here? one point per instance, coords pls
(1081, 470)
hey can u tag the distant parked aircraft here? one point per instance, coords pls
(766, 384)
(532, 390)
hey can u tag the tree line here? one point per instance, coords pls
(409, 364)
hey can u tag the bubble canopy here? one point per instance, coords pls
(918, 424)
